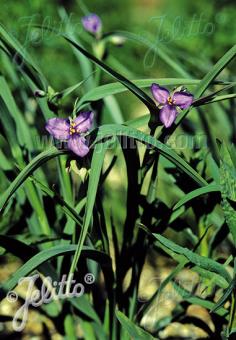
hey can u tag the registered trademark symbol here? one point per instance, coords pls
(89, 278)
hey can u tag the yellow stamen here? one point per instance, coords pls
(73, 128)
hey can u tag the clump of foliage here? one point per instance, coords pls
(61, 214)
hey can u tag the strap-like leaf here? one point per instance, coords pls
(127, 83)
(133, 330)
(201, 261)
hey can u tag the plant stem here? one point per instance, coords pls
(232, 313)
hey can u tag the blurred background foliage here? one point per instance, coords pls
(202, 28)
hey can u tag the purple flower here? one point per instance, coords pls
(72, 131)
(92, 23)
(179, 99)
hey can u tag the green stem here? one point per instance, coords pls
(203, 247)
(37, 206)
(232, 313)
(65, 180)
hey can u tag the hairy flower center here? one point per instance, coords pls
(170, 101)
(73, 129)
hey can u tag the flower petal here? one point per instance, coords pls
(59, 128)
(84, 121)
(78, 145)
(92, 23)
(182, 99)
(161, 94)
(167, 115)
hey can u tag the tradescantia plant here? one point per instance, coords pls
(63, 214)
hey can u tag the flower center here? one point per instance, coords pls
(73, 130)
(170, 101)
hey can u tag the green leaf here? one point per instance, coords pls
(225, 296)
(228, 192)
(133, 330)
(69, 90)
(196, 193)
(88, 330)
(27, 171)
(85, 65)
(138, 122)
(114, 109)
(69, 327)
(21, 59)
(166, 151)
(24, 252)
(10, 131)
(48, 254)
(66, 207)
(195, 300)
(150, 104)
(83, 305)
(103, 131)
(115, 88)
(215, 71)
(201, 261)
(208, 79)
(22, 130)
(205, 273)
(144, 309)
(96, 168)
(211, 98)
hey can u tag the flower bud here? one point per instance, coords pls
(117, 40)
(92, 23)
(40, 94)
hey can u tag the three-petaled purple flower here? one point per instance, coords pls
(72, 131)
(92, 23)
(168, 112)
